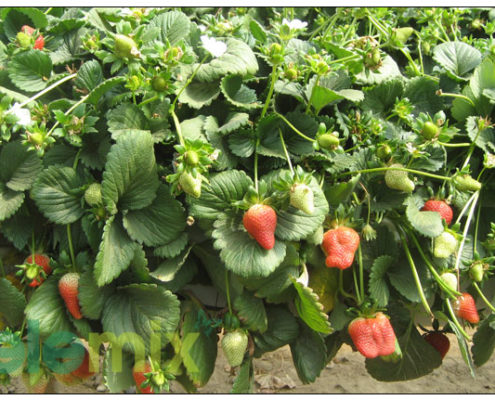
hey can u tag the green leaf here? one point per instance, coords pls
(200, 94)
(224, 189)
(257, 31)
(463, 347)
(292, 89)
(244, 381)
(118, 378)
(427, 223)
(309, 354)
(330, 89)
(13, 301)
(130, 180)
(98, 92)
(18, 166)
(48, 309)
(242, 143)
(419, 358)
(378, 287)
(310, 310)
(485, 139)
(142, 309)
(159, 223)
(173, 26)
(282, 329)
(167, 270)
(199, 345)
(239, 94)
(126, 119)
(89, 76)
(233, 122)
(305, 124)
(421, 92)
(381, 98)
(251, 312)
(484, 341)
(294, 224)
(173, 248)
(57, 193)
(242, 254)
(458, 58)
(30, 70)
(388, 70)
(433, 159)
(115, 253)
(91, 297)
(339, 193)
(18, 229)
(10, 202)
(238, 59)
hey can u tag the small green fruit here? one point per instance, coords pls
(328, 141)
(398, 180)
(234, 346)
(92, 195)
(124, 46)
(302, 198)
(466, 183)
(476, 272)
(383, 152)
(450, 280)
(190, 184)
(444, 245)
(158, 378)
(191, 158)
(24, 40)
(430, 130)
(159, 84)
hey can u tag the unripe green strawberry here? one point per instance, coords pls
(159, 84)
(450, 280)
(124, 46)
(383, 152)
(190, 184)
(328, 141)
(398, 180)
(402, 34)
(430, 130)
(466, 183)
(191, 158)
(476, 272)
(36, 138)
(444, 245)
(302, 198)
(234, 345)
(92, 195)
(24, 40)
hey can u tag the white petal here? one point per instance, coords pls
(215, 47)
(22, 114)
(295, 24)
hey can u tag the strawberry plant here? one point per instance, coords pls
(326, 173)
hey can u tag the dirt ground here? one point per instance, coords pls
(275, 373)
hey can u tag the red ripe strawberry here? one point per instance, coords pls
(439, 341)
(465, 308)
(138, 372)
(39, 43)
(373, 337)
(42, 261)
(439, 206)
(261, 221)
(68, 287)
(82, 371)
(339, 245)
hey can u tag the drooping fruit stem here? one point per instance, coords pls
(294, 128)
(466, 229)
(483, 297)
(286, 152)
(455, 321)
(274, 76)
(412, 171)
(227, 290)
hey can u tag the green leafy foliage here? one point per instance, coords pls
(12, 299)
(30, 70)
(309, 354)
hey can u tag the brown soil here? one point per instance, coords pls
(275, 373)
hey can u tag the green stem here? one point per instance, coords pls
(343, 59)
(44, 91)
(151, 99)
(286, 152)
(438, 278)
(361, 272)
(71, 248)
(476, 226)
(420, 54)
(377, 25)
(411, 61)
(256, 166)
(76, 159)
(294, 128)
(270, 91)
(412, 171)
(312, 91)
(481, 173)
(466, 229)
(466, 206)
(442, 29)
(454, 144)
(458, 96)
(188, 82)
(23, 326)
(415, 275)
(177, 126)
(341, 287)
(82, 100)
(356, 287)
(490, 305)
(227, 289)
(455, 321)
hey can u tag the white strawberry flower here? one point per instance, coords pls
(23, 114)
(214, 46)
(294, 24)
